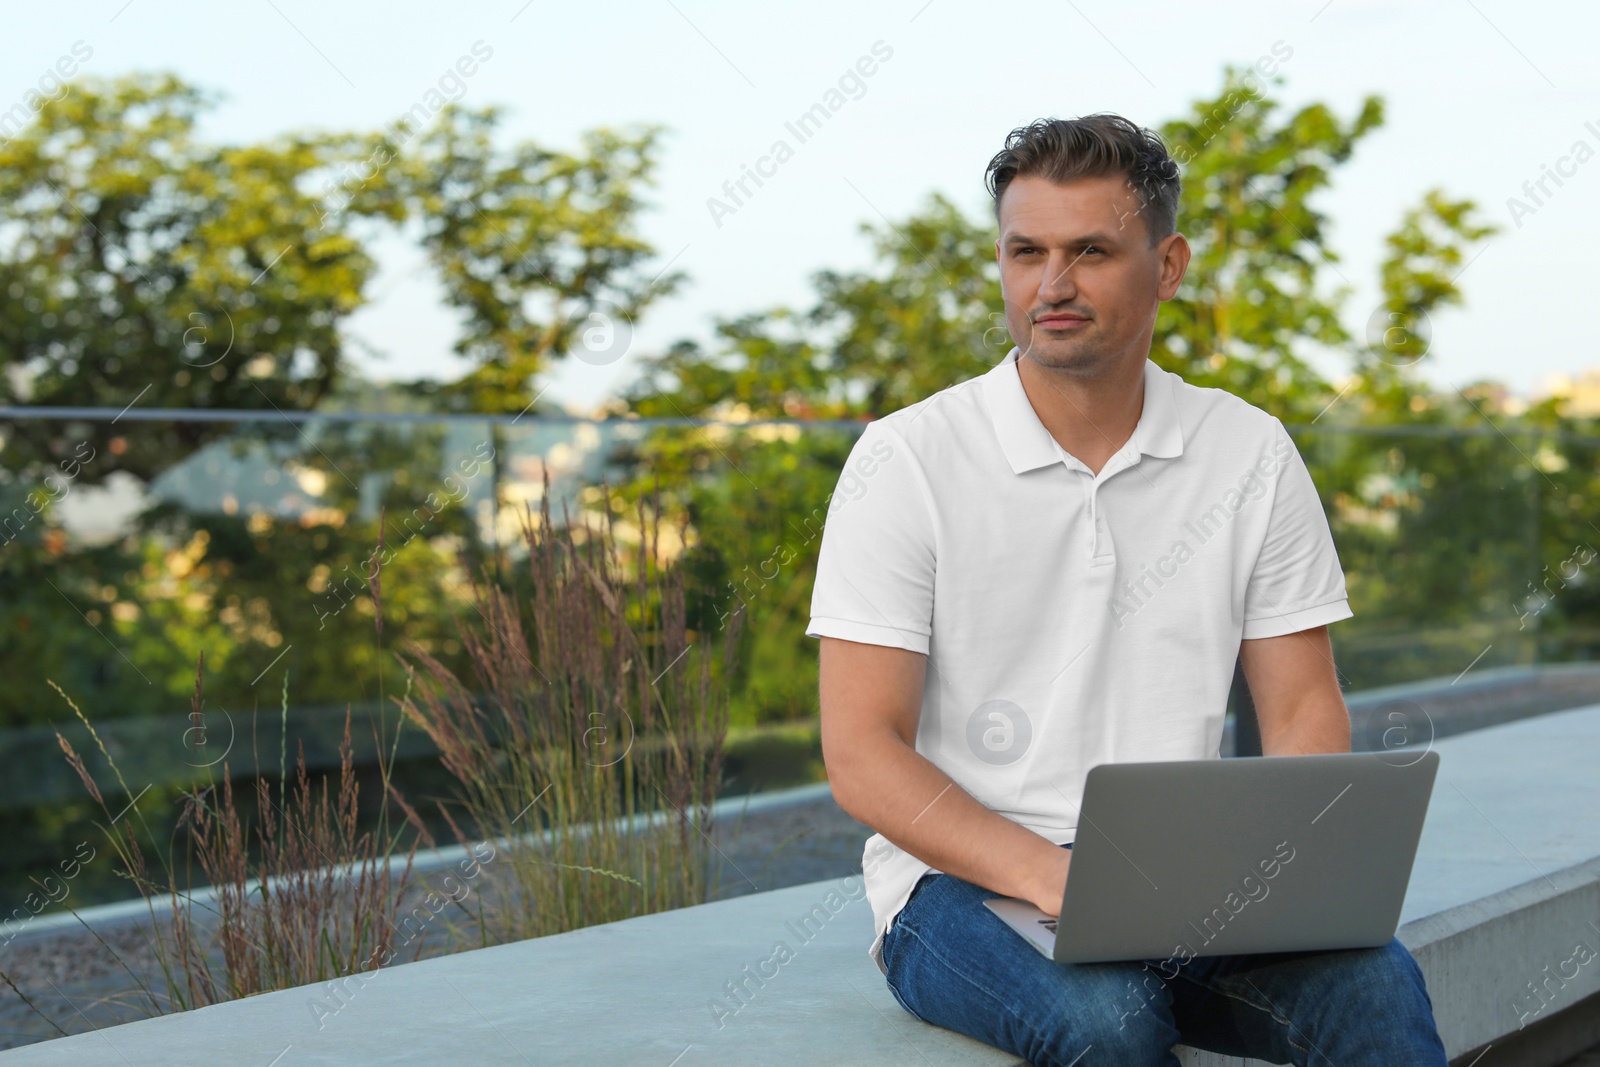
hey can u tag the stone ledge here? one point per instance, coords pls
(1507, 877)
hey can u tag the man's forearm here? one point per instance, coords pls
(1320, 725)
(1299, 705)
(914, 804)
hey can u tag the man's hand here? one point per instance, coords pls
(1052, 883)
(871, 700)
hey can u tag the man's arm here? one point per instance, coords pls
(871, 700)
(1296, 693)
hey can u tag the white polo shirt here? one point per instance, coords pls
(1069, 619)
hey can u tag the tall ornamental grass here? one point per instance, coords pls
(293, 892)
(589, 737)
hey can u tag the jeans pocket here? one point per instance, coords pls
(886, 950)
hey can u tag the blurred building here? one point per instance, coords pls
(1581, 393)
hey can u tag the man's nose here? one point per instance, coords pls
(1057, 284)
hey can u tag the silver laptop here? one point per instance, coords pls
(1213, 857)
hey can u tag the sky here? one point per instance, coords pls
(1482, 96)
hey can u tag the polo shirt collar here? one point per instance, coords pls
(1028, 445)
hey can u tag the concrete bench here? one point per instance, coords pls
(1507, 883)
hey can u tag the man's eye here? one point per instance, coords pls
(1091, 248)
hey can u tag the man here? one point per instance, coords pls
(1055, 565)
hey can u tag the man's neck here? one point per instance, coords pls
(1091, 418)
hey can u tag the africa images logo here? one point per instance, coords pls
(999, 732)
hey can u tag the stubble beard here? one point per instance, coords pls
(1077, 357)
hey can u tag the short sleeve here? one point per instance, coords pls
(875, 567)
(1297, 582)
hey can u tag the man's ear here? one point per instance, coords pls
(1174, 265)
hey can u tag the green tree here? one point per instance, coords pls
(537, 249)
(1252, 300)
(143, 264)
(1423, 261)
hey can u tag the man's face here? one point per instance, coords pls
(1081, 284)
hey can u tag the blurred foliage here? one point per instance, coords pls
(1252, 301)
(142, 264)
(536, 249)
(125, 621)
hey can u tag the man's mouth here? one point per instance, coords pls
(1060, 321)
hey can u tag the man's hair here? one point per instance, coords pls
(1094, 146)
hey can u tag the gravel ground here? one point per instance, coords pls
(789, 846)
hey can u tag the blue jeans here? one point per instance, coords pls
(952, 962)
